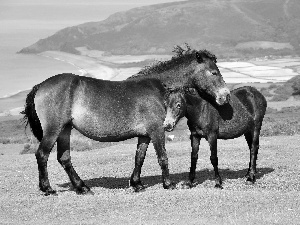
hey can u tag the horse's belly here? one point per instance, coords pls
(104, 126)
(105, 131)
(234, 128)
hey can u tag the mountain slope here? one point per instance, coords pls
(13, 102)
(216, 25)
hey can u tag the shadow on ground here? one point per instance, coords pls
(201, 176)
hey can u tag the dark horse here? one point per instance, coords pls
(243, 115)
(208, 118)
(112, 111)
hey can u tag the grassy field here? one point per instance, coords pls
(274, 199)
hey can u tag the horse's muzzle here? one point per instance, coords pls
(223, 96)
(169, 126)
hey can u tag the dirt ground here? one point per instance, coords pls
(274, 199)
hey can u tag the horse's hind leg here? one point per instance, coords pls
(135, 180)
(212, 140)
(42, 155)
(64, 158)
(252, 139)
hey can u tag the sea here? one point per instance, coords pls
(23, 22)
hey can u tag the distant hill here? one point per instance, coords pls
(218, 25)
(283, 92)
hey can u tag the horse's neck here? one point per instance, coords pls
(195, 100)
(171, 77)
(203, 102)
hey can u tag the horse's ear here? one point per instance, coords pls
(186, 89)
(165, 86)
(199, 57)
(204, 55)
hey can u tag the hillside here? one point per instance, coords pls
(228, 28)
(283, 92)
(12, 102)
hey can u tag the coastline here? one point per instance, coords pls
(255, 71)
(81, 70)
(103, 67)
(85, 65)
(93, 67)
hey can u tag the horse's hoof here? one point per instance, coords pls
(250, 180)
(171, 186)
(185, 185)
(84, 191)
(139, 188)
(219, 186)
(188, 185)
(89, 192)
(194, 184)
(50, 192)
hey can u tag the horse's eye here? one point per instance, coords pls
(215, 73)
(178, 106)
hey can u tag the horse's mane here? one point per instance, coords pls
(171, 90)
(182, 56)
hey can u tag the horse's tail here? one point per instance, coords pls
(30, 115)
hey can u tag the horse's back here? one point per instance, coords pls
(249, 107)
(252, 99)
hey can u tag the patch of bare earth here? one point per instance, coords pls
(274, 199)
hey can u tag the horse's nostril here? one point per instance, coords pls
(228, 98)
(168, 127)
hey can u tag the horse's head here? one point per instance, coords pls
(195, 69)
(175, 107)
(207, 78)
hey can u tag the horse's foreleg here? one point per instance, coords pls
(212, 140)
(135, 180)
(42, 155)
(64, 158)
(158, 141)
(195, 142)
(253, 143)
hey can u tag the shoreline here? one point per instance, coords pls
(85, 65)
(233, 72)
(81, 70)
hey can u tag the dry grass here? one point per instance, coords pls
(274, 199)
